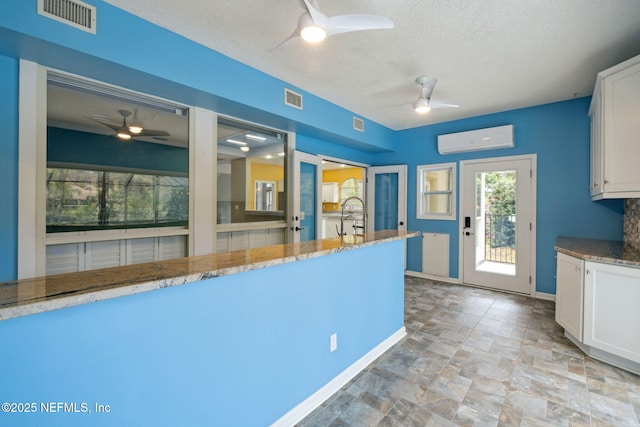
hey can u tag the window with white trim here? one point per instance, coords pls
(436, 198)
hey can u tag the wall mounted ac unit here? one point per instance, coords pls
(476, 140)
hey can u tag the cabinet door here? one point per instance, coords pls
(611, 315)
(621, 130)
(596, 186)
(569, 294)
(330, 192)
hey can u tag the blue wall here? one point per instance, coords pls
(8, 168)
(69, 146)
(239, 350)
(559, 134)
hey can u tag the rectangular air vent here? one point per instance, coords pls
(358, 124)
(71, 12)
(292, 99)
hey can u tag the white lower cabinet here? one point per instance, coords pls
(598, 306)
(612, 315)
(569, 294)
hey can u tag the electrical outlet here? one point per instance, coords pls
(333, 342)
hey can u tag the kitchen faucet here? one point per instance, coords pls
(356, 225)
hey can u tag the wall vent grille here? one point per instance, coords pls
(292, 99)
(358, 124)
(71, 12)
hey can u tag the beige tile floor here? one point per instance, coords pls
(474, 357)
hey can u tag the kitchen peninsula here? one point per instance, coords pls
(293, 322)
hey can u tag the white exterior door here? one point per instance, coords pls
(498, 223)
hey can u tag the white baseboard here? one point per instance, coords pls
(537, 295)
(545, 296)
(316, 399)
(432, 277)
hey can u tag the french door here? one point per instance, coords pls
(497, 223)
(387, 198)
(306, 216)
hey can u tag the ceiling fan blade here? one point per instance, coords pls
(318, 17)
(438, 104)
(289, 40)
(347, 23)
(105, 122)
(151, 132)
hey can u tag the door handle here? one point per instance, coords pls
(401, 223)
(299, 228)
(468, 233)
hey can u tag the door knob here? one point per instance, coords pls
(299, 228)
(467, 233)
(401, 222)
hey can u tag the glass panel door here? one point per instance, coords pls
(497, 218)
(387, 197)
(308, 201)
(304, 220)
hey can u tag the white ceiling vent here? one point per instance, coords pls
(71, 12)
(358, 124)
(476, 140)
(292, 99)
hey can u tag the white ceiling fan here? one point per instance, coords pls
(424, 104)
(314, 26)
(127, 131)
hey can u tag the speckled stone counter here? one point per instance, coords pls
(37, 295)
(607, 251)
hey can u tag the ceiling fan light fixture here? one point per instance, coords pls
(135, 129)
(421, 106)
(123, 134)
(313, 33)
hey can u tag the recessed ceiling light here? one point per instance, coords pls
(268, 156)
(233, 141)
(245, 149)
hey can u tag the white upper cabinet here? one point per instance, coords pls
(330, 192)
(615, 132)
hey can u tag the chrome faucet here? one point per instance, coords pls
(357, 225)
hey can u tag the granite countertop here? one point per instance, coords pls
(40, 294)
(607, 251)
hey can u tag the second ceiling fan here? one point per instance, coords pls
(133, 129)
(424, 104)
(314, 26)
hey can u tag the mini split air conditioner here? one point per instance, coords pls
(476, 140)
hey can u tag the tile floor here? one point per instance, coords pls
(474, 357)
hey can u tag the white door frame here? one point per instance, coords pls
(533, 202)
(294, 216)
(401, 170)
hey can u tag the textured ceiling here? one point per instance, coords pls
(488, 55)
